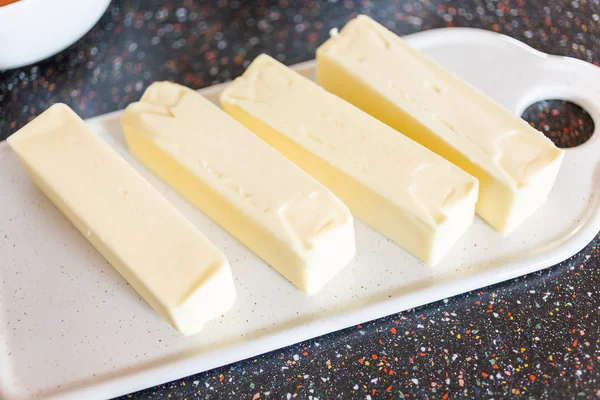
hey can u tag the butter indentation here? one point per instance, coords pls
(520, 157)
(434, 191)
(309, 216)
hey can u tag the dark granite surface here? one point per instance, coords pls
(534, 337)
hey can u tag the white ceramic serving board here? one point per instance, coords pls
(71, 327)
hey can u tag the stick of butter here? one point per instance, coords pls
(278, 211)
(411, 195)
(375, 70)
(161, 254)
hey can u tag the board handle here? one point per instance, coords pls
(564, 78)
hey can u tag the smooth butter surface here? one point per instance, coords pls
(374, 69)
(278, 211)
(162, 255)
(416, 198)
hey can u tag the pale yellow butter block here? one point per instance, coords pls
(273, 207)
(409, 194)
(162, 255)
(374, 69)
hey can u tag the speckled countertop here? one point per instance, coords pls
(535, 337)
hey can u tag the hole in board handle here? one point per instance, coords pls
(565, 123)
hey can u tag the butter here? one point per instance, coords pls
(274, 208)
(406, 192)
(375, 70)
(161, 254)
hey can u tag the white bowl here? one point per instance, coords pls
(32, 30)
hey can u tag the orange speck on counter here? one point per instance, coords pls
(7, 2)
